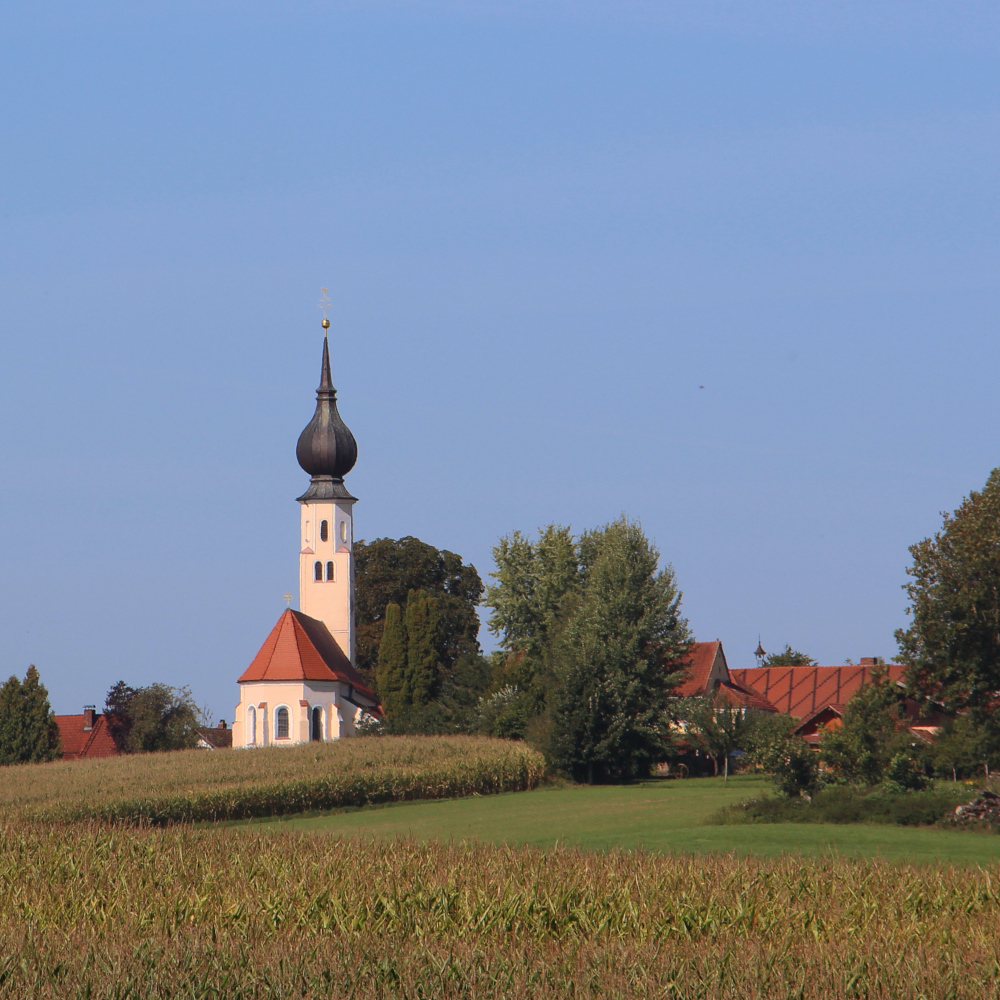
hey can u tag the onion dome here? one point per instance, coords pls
(326, 448)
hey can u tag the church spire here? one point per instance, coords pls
(326, 449)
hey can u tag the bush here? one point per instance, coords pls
(842, 804)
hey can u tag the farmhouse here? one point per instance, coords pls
(818, 696)
(708, 674)
(302, 684)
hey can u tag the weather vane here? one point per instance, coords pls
(324, 304)
(288, 600)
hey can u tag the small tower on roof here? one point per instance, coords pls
(302, 684)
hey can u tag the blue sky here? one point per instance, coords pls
(545, 227)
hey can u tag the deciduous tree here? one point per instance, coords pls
(387, 569)
(610, 712)
(952, 647)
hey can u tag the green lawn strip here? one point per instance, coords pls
(655, 816)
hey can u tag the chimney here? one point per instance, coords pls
(222, 723)
(88, 717)
(867, 661)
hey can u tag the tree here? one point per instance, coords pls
(719, 728)
(423, 671)
(789, 657)
(391, 673)
(537, 583)
(952, 648)
(609, 714)
(387, 569)
(28, 730)
(860, 750)
(966, 748)
(153, 718)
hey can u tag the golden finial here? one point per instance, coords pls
(288, 600)
(324, 304)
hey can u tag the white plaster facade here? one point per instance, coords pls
(256, 722)
(326, 567)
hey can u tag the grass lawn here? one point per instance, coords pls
(665, 816)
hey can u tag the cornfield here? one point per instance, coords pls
(239, 784)
(88, 911)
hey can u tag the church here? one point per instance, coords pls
(302, 684)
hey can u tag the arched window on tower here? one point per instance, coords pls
(324, 530)
(331, 572)
(318, 571)
(343, 531)
(281, 723)
(251, 726)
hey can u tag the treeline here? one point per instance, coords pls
(588, 628)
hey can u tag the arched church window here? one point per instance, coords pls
(318, 571)
(316, 732)
(343, 531)
(251, 725)
(324, 530)
(281, 724)
(331, 571)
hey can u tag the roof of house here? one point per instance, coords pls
(801, 691)
(698, 663)
(301, 648)
(738, 696)
(216, 737)
(78, 742)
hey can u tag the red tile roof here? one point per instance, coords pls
(801, 691)
(738, 696)
(698, 663)
(78, 742)
(301, 648)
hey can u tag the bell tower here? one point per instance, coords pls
(327, 451)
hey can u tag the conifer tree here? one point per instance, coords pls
(391, 671)
(422, 667)
(28, 731)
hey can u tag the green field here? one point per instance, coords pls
(669, 816)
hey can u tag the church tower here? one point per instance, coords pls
(302, 684)
(327, 451)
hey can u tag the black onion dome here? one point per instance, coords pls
(326, 448)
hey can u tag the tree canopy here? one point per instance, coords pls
(789, 657)
(387, 569)
(621, 632)
(148, 719)
(952, 648)
(28, 730)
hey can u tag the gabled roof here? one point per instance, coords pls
(301, 648)
(78, 742)
(801, 691)
(698, 663)
(738, 696)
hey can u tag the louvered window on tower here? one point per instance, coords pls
(318, 571)
(324, 531)
(331, 571)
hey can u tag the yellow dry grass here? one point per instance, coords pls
(207, 913)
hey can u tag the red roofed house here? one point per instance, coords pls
(85, 736)
(803, 691)
(709, 674)
(818, 695)
(302, 684)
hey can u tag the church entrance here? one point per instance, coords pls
(316, 729)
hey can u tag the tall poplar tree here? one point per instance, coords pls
(609, 713)
(391, 672)
(28, 730)
(423, 670)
